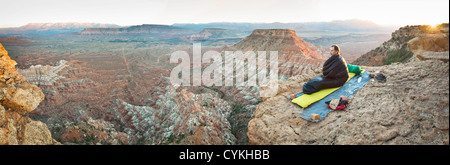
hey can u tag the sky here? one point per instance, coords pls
(135, 12)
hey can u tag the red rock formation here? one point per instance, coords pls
(14, 41)
(283, 40)
(207, 33)
(429, 42)
(17, 98)
(295, 56)
(421, 38)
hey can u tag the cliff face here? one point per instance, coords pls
(295, 55)
(17, 98)
(407, 42)
(412, 107)
(283, 40)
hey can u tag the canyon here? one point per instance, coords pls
(110, 85)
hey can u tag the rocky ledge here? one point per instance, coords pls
(411, 107)
(17, 98)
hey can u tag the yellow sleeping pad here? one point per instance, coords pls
(307, 99)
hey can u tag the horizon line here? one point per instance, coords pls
(124, 25)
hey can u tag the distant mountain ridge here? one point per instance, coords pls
(69, 25)
(354, 25)
(52, 28)
(138, 29)
(336, 25)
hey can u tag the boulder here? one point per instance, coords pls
(17, 98)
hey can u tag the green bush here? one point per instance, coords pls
(400, 55)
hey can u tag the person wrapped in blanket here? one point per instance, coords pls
(335, 73)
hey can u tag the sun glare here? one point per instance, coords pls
(435, 26)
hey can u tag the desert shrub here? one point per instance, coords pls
(399, 55)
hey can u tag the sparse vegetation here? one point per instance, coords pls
(174, 139)
(238, 108)
(400, 55)
(239, 119)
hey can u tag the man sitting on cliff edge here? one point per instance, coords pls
(335, 74)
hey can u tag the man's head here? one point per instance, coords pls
(334, 50)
